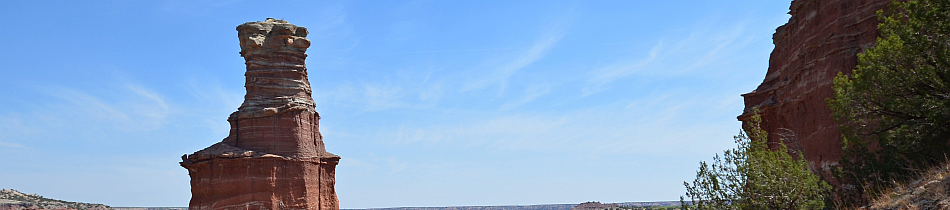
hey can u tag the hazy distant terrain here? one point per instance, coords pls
(655, 203)
(528, 207)
(524, 207)
(17, 200)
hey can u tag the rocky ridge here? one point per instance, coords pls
(15, 200)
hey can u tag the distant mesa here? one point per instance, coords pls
(274, 157)
(595, 206)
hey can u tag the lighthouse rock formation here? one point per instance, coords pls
(274, 157)
(822, 38)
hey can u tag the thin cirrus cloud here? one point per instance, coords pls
(65, 115)
(555, 31)
(212, 95)
(530, 94)
(700, 49)
(12, 145)
(619, 127)
(606, 75)
(380, 97)
(377, 96)
(141, 110)
(501, 74)
(13, 127)
(366, 96)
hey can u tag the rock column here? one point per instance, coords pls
(274, 157)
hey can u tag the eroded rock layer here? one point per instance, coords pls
(263, 182)
(822, 38)
(274, 156)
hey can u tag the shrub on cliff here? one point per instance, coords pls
(895, 106)
(752, 176)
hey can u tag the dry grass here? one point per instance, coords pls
(930, 191)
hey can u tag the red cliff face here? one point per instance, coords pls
(822, 38)
(274, 157)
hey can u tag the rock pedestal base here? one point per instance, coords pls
(263, 182)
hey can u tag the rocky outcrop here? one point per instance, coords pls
(15, 200)
(274, 156)
(822, 38)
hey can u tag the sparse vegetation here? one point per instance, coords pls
(752, 176)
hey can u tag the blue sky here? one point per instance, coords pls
(430, 103)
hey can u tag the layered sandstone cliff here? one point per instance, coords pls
(822, 38)
(274, 156)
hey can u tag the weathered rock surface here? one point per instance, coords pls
(822, 38)
(14, 200)
(274, 156)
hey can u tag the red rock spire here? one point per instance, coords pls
(274, 156)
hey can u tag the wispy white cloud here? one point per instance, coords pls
(715, 43)
(606, 75)
(697, 51)
(82, 115)
(369, 96)
(646, 126)
(396, 166)
(81, 102)
(552, 34)
(432, 92)
(140, 111)
(197, 8)
(501, 74)
(211, 96)
(378, 97)
(151, 106)
(211, 92)
(13, 127)
(456, 51)
(530, 94)
(12, 145)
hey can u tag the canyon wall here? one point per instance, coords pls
(274, 156)
(822, 38)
